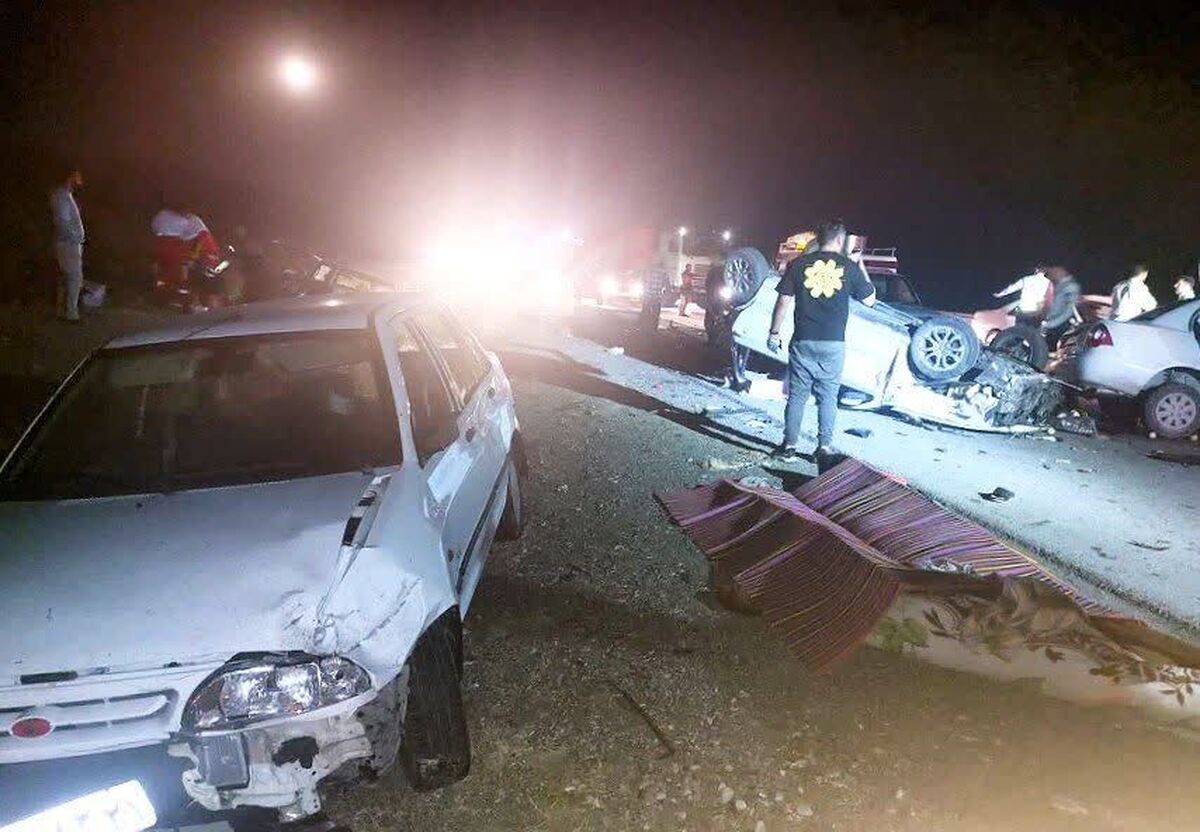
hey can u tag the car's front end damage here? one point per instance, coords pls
(279, 763)
(337, 606)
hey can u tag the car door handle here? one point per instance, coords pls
(470, 434)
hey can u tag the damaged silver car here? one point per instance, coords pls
(238, 552)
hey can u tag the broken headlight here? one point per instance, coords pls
(248, 691)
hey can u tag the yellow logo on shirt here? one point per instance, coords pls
(823, 278)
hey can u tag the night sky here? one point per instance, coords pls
(979, 141)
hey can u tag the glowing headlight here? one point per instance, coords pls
(251, 691)
(609, 286)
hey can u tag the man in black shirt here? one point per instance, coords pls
(819, 284)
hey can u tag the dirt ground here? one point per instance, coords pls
(604, 602)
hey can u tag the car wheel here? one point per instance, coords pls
(512, 522)
(744, 271)
(943, 348)
(1173, 410)
(436, 749)
(1023, 343)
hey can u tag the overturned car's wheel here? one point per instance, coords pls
(743, 274)
(436, 749)
(943, 348)
(1024, 343)
(1173, 410)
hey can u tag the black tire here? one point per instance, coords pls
(943, 348)
(1024, 343)
(1173, 410)
(436, 749)
(744, 271)
(512, 522)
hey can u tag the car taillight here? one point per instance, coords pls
(1100, 337)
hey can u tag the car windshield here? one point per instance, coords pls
(202, 414)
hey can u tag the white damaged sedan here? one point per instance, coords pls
(237, 554)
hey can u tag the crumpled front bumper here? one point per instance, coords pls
(278, 764)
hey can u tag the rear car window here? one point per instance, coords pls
(211, 413)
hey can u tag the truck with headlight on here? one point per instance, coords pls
(237, 556)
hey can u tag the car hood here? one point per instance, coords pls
(149, 579)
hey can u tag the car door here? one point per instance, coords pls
(455, 495)
(481, 431)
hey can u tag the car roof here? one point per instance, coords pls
(352, 310)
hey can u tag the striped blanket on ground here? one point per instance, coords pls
(825, 563)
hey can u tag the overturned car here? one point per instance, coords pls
(239, 551)
(928, 366)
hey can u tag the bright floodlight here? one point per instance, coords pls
(727, 235)
(682, 231)
(298, 74)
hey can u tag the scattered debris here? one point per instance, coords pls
(997, 495)
(663, 739)
(615, 350)
(726, 795)
(1075, 421)
(1149, 546)
(715, 464)
(861, 433)
(1178, 459)
(1068, 805)
(1102, 553)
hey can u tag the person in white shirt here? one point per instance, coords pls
(1035, 290)
(1132, 297)
(68, 245)
(1185, 287)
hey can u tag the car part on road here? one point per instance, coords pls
(1024, 343)
(436, 750)
(1173, 410)
(997, 495)
(861, 433)
(1075, 421)
(930, 584)
(943, 349)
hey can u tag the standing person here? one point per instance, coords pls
(1062, 305)
(687, 287)
(68, 245)
(1035, 289)
(1132, 297)
(1185, 287)
(818, 285)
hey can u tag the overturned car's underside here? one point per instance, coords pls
(929, 368)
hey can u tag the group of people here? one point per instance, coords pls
(1048, 298)
(1132, 297)
(182, 241)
